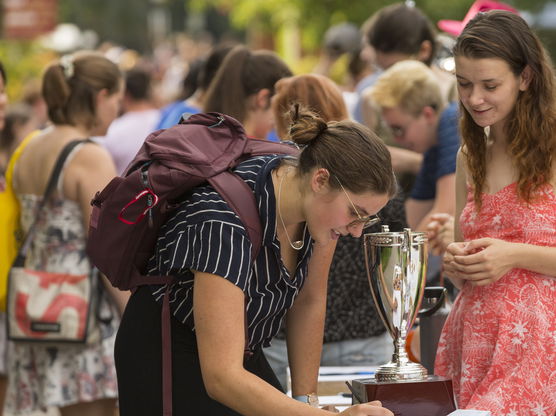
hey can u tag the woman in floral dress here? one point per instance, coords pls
(499, 342)
(83, 93)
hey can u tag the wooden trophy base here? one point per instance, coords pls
(432, 396)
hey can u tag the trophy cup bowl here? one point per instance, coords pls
(396, 269)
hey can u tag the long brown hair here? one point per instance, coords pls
(70, 87)
(242, 74)
(532, 124)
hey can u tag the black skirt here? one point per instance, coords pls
(138, 354)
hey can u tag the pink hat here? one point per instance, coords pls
(455, 27)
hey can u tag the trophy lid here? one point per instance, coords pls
(396, 238)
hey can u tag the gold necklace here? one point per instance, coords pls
(296, 245)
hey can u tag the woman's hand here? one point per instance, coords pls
(481, 261)
(449, 265)
(440, 232)
(367, 409)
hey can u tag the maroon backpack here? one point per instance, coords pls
(128, 213)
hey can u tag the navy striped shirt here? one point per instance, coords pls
(205, 234)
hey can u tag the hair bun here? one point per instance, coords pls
(305, 125)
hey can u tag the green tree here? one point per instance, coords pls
(315, 16)
(24, 61)
(312, 16)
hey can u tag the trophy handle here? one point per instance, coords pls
(373, 268)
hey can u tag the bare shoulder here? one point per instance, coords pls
(461, 153)
(94, 156)
(92, 164)
(461, 159)
(461, 170)
(92, 151)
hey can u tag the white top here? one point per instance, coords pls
(127, 133)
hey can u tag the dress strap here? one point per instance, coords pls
(60, 184)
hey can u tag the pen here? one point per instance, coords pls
(354, 393)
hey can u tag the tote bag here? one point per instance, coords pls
(52, 307)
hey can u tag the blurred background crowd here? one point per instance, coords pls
(169, 51)
(169, 35)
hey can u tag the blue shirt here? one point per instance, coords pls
(439, 160)
(171, 114)
(206, 235)
(360, 89)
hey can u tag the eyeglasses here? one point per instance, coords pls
(397, 131)
(400, 131)
(367, 221)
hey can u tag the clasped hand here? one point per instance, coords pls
(482, 261)
(440, 232)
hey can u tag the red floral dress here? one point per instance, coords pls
(499, 342)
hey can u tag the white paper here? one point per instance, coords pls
(470, 412)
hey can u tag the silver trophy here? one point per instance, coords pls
(396, 268)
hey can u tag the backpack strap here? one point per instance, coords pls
(241, 199)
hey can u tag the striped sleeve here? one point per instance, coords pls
(214, 247)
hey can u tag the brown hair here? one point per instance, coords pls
(70, 87)
(532, 125)
(400, 28)
(348, 150)
(316, 92)
(242, 74)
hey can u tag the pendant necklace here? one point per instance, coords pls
(296, 245)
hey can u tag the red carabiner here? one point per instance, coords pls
(150, 205)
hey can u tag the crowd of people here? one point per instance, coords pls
(469, 157)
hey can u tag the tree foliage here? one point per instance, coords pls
(312, 16)
(24, 61)
(315, 16)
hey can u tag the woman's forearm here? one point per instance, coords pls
(538, 259)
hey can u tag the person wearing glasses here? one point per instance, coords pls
(412, 105)
(354, 334)
(224, 304)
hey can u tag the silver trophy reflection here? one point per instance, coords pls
(397, 271)
(397, 268)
